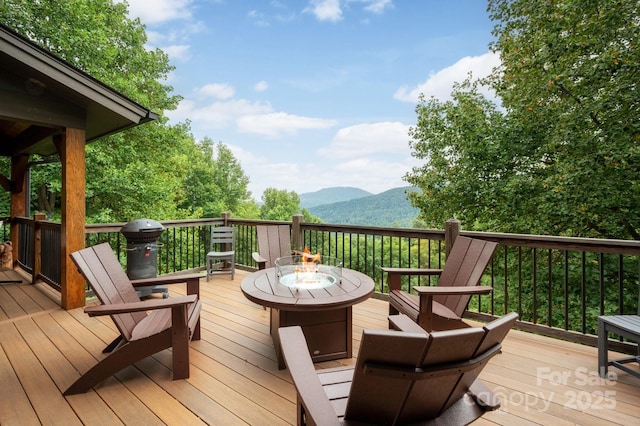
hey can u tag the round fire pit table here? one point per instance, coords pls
(323, 313)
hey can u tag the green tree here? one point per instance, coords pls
(230, 178)
(308, 217)
(155, 170)
(560, 154)
(279, 204)
(97, 37)
(202, 193)
(218, 184)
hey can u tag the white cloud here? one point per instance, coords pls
(371, 174)
(368, 139)
(217, 91)
(377, 6)
(159, 10)
(258, 18)
(277, 124)
(247, 116)
(261, 86)
(216, 115)
(331, 10)
(373, 157)
(440, 84)
(325, 10)
(178, 52)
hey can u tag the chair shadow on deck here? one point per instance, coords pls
(171, 323)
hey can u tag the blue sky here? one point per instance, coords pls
(310, 94)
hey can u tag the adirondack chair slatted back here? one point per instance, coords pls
(464, 266)
(274, 241)
(379, 399)
(411, 377)
(101, 269)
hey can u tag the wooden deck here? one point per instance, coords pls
(234, 377)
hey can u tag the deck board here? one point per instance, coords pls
(234, 376)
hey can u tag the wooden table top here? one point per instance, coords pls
(263, 288)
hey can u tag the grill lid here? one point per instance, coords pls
(142, 230)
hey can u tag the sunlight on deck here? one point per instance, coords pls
(234, 376)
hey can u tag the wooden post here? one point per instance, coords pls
(71, 147)
(296, 232)
(18, 207)
(37, 245)
(225, 218)
(451, 232)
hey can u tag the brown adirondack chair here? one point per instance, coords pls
(441, 307)
(171, 323)
(274, 241)
(399, 377)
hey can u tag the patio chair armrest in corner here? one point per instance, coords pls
(310, 392)
(261, 261)
(412, 271)
(401, 322)
(484, 396)
(168, 279)
(147, 305)
(395, 274)
(452, 290)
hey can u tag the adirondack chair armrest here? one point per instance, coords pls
(168, 279)
(261, 261)
(452, 290)
(395, 274)
(401, 322)
(147, 305)
(484, 396)
(412, 271)
(310, 392)
(426, 294)
(191, 280)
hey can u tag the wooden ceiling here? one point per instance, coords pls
(24, 138)
(41, 95)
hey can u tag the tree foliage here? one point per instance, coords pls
(560, 154)
(280, 204)
(154, 170)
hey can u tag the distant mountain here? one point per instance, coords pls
(389, 208)
(331, 195)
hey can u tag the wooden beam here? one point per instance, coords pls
(18, 207)
(71, 147)
(7, 184)
(31, 140)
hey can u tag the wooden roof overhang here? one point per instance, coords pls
(47, 107)
(41, 95)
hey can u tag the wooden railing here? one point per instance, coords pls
(558, 285)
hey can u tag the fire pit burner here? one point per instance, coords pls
(306, 272)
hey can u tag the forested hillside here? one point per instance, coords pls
(389, 208)
(331, 195)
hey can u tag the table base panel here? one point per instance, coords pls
(328, 333)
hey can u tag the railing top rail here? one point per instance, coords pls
(92, 228)
(433, 234)
(631, 247)
(254, 222)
